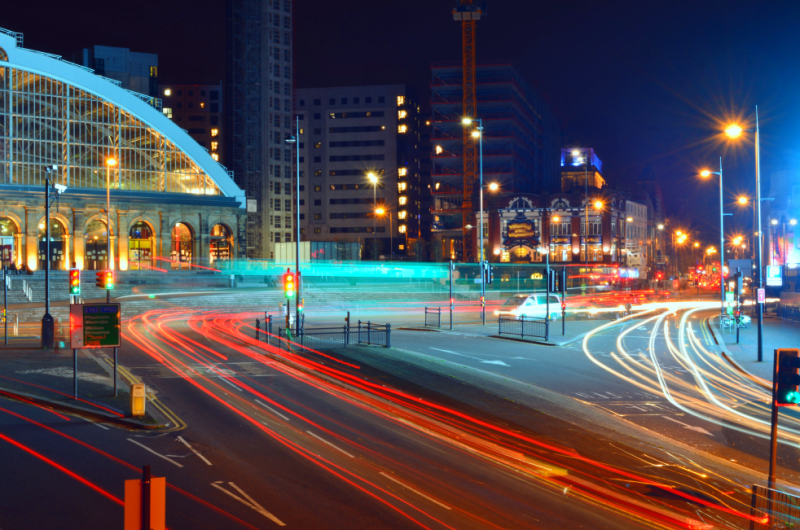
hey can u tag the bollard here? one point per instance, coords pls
(138, 399)
(258, 330)
(269, 329)
(388, 335)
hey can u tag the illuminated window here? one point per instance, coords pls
(168, 112)
(403, 201)
(401, 229)
(215, 156)
(437, 185)
(317, 145)
(402, 129)
(401, 100)
(318, 230)
(427, 122)
(302, 131)
(401, 186)
(383, 127)
(214, 132)
(167, 92)
(202, 105)
(439, 149)
(402, 172)
(402, 214)
(214, 146)
(401, 114)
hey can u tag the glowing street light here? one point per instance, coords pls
(705, 173)
(733, 131)
(494, 186)
(793, 222)
(598, 205)
(743, 200)
(373, 178)
(660, 227)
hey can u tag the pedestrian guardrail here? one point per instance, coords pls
(524, 327)
(377, 334)
(367, 333)
(435, 316)
(785, 509)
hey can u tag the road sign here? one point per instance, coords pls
(133, 504)
(762, 297)
(774, 276)
(94, 326)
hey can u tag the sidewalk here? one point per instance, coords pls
(777, 333)
(45, 377)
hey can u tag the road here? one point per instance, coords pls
(312, 440)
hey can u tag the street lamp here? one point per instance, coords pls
(735, 131)
(478, 133)
(296, 141)
(707, 173)
(110, 162)
(373, 178)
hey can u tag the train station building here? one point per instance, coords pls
(172, 205)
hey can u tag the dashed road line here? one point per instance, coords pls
(327, 442)
(446, 507)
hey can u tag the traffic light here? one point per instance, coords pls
(787, 379)
(737, 314)
(105, 280)
(75, 282)
(301, 304)
(551, 281)
(488, 273)
(288, 284)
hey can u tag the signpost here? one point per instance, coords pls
(762, 295)
(93, 326)
(145, 502)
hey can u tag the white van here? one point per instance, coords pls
(531, 305)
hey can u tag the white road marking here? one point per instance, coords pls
(587, 396)
(687, 426)
(224, 380)
(446, 507)
(171, 461)
(96, 424)
(448, 351)
(192, 449)
(327, 442)
(249, 502)
(601, 395)
(501, 363)
(271, 409)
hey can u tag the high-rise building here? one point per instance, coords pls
(135, 71)
(198, 110)
(581, 168)
(359, 167)
(521, 142)
(258, 114)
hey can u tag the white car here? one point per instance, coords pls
(533, 306)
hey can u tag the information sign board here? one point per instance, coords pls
(94, 326)
(774, 276)
(762, 296)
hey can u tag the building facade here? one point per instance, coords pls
(520, 225)
(638, 249)
(135, 71)
(348, 134)
(198, 109)
(259, 102)
(521, 142)
(172, 205)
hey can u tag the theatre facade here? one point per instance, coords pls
(171, 204)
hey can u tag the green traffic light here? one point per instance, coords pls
(793, 397)
(289, 294)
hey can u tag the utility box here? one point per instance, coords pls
(138, 399)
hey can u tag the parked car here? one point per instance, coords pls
(530, 305)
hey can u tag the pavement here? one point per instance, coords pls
(46, 378)
(777, 333)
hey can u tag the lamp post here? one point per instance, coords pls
(48, 323)
(110, 162)
(296, 141)
(373, 178)
(382, 212)
(707, 173)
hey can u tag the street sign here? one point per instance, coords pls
(157, 504)
(94, 326)
(774, 277)
(761, 296)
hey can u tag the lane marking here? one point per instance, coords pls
(327, 442)
(224, 380)
(271, 409)
(249, 502)
(454, 353)
(446, 507)
(501, 363)
(171, 461)
(192, 449)
(687, 426)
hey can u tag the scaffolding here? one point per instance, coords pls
(243, 120)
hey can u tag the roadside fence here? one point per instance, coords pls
(524, 326)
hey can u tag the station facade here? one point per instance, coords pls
(171, 204)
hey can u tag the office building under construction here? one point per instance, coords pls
(521, 145)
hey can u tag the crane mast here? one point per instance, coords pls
(469, 13)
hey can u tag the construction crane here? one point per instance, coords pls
(469, 13)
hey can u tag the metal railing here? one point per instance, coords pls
(374, 334)
(436, 314)
(524, 327)
(329, 337)
(785, 509)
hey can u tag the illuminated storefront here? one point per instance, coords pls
(167, 192)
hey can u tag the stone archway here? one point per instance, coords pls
(182, 246)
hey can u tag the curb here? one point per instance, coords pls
(726, 354)
(80, 411)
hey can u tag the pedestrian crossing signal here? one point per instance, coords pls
(75, 282)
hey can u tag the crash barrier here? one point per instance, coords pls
(367, 333)
(785, 509)
(435, 316)
(524, 327)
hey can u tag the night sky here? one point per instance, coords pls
(646, 84)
